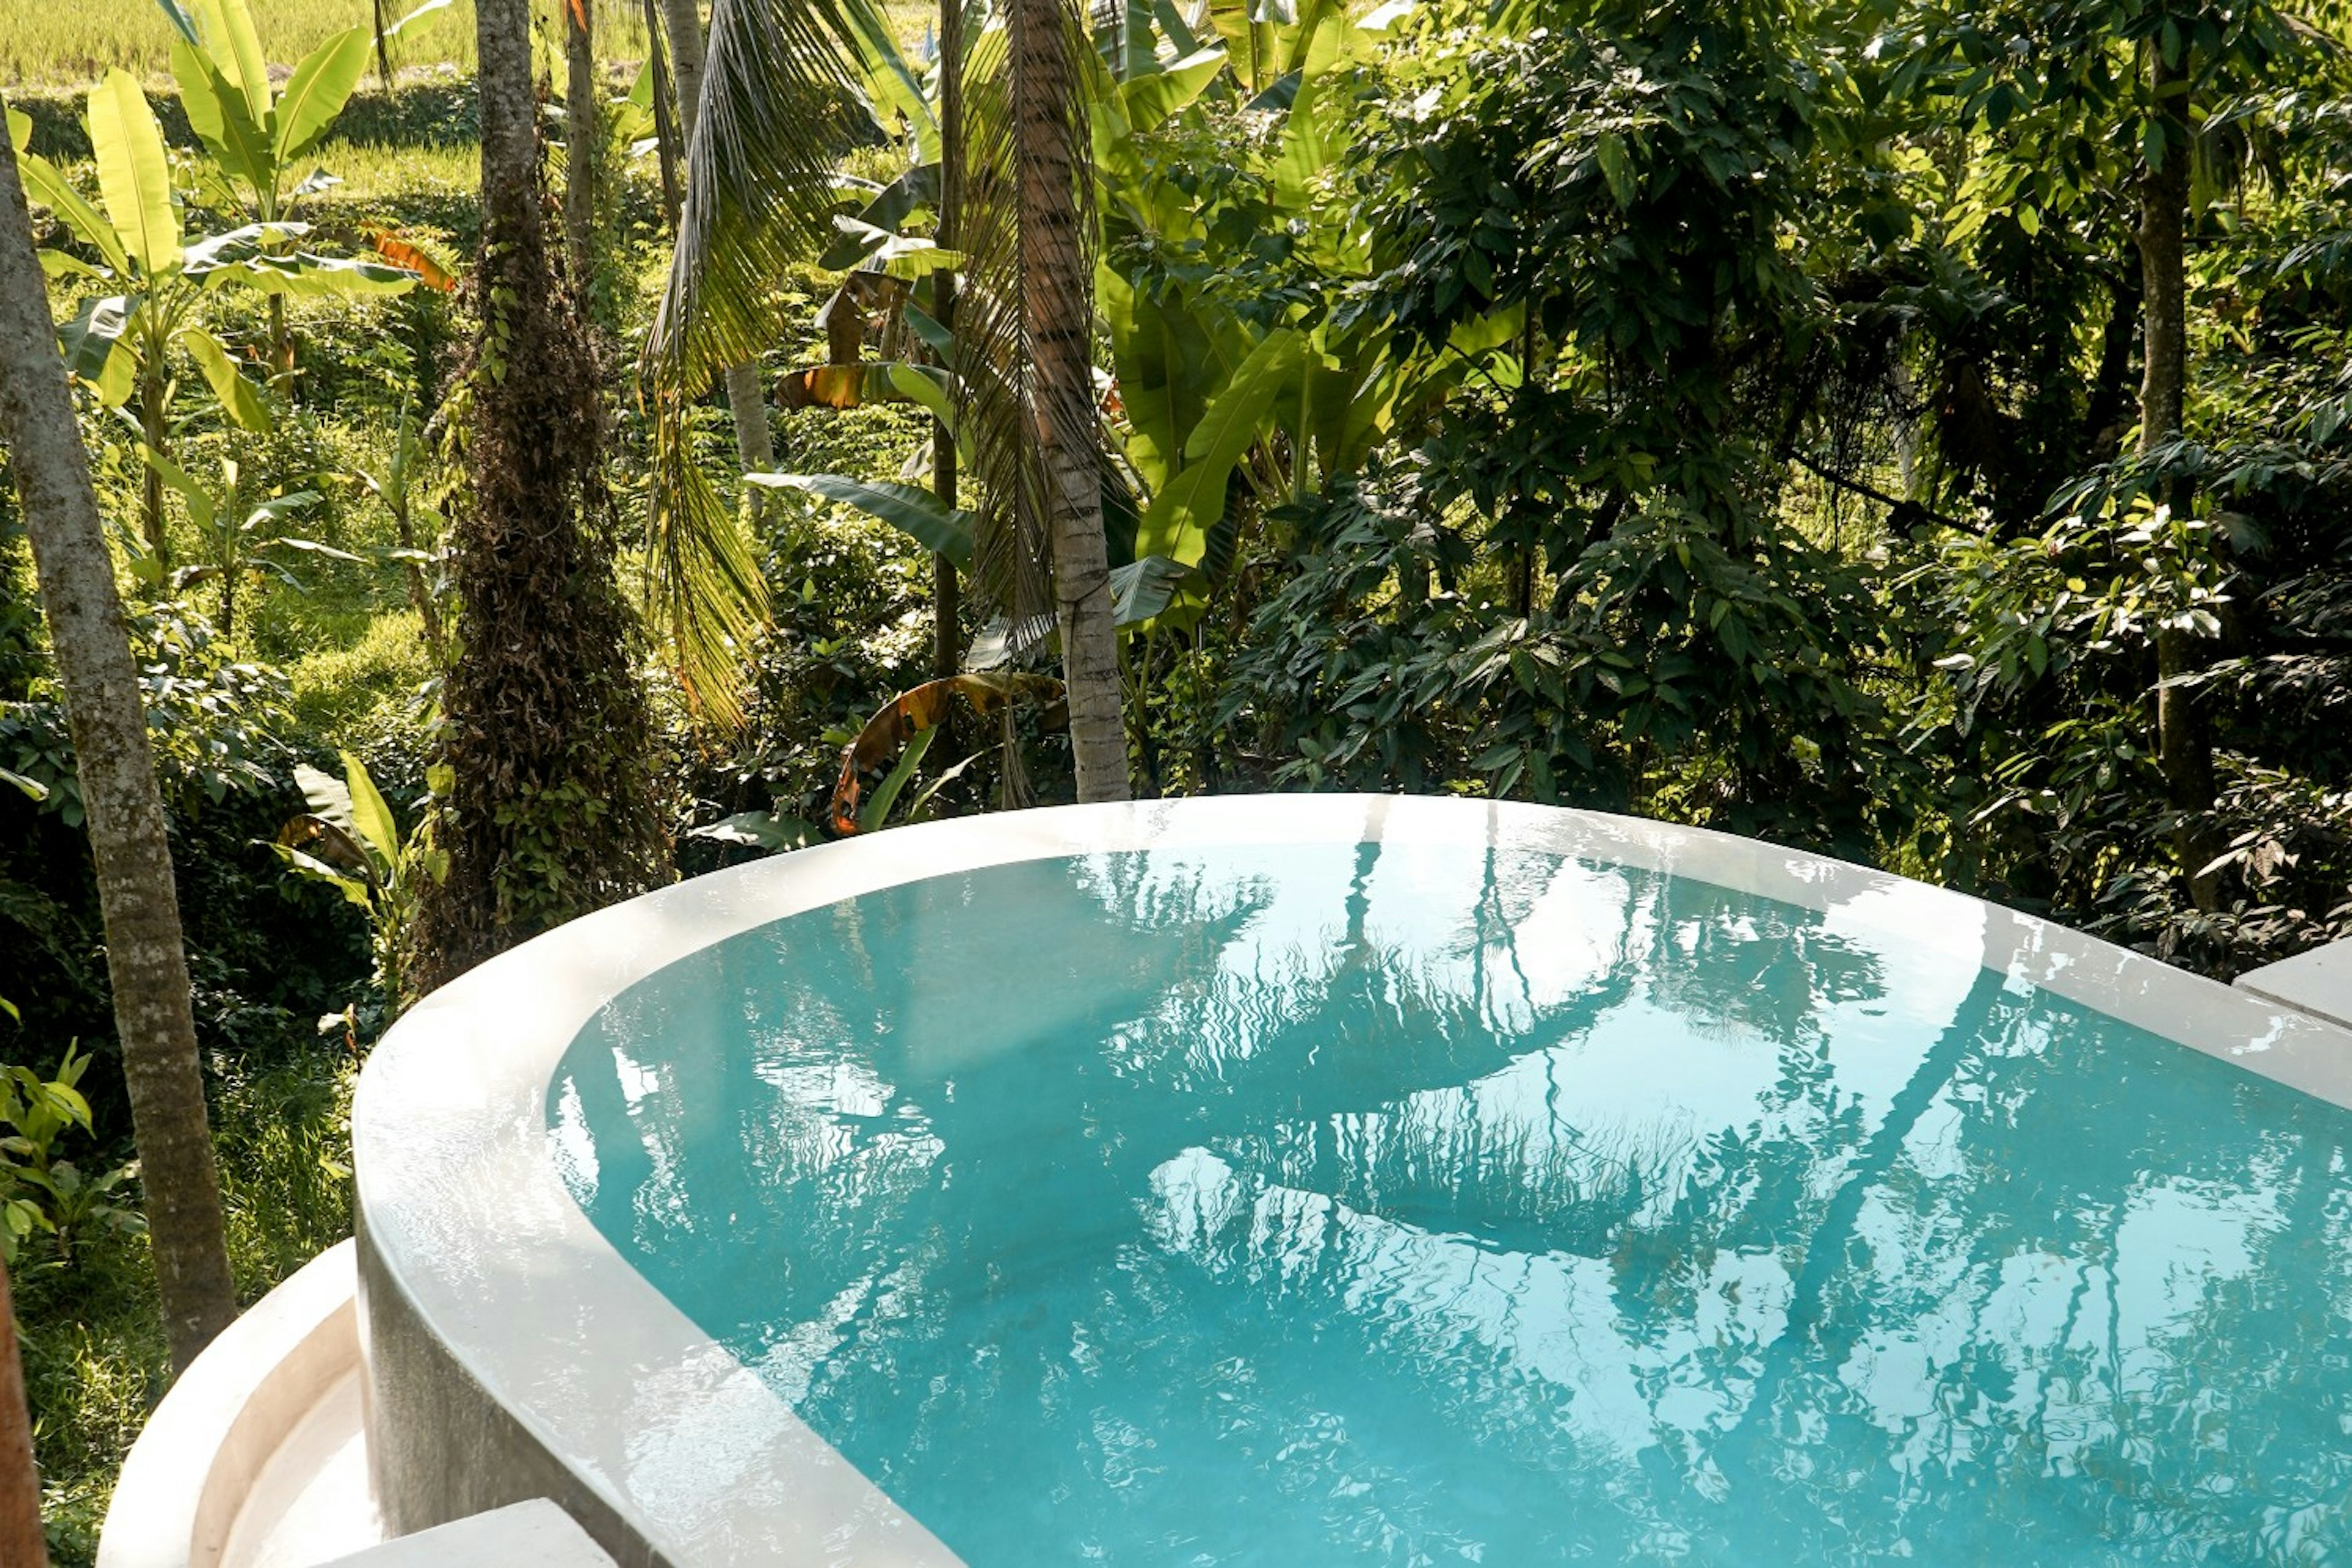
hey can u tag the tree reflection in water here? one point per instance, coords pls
(1382, 1205)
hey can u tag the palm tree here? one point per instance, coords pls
(146, 965)
(551, 807)
(682, 20)
(760, 199)
(583, 141)
(1055, 174)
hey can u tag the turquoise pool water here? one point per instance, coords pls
(1399, 1205)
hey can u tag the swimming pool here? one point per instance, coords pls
(1331, 1180)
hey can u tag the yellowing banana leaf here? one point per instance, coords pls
(404, 253)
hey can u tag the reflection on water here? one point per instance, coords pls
(1393, 1205)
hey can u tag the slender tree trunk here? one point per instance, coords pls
(144, 960)
(584, 141)
(21, 1543)
(541, 708)
(1049, 150)
(2184, 754)
(947, 608)
(150, 427)
(683, 21)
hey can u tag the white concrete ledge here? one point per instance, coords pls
(254, 1459)
(535, 1534)
(2318, 983)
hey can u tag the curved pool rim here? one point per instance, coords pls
(513, 1352)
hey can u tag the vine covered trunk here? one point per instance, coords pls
(146, 965)
(551, 805)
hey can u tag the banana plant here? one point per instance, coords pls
(237, 540)
(257, 136)
(349, 840)
(123, 343)
(397, 487)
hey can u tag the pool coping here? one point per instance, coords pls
(677, 1452)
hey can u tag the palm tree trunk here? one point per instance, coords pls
(2184, 754)
(145, 961)
(682, 20)
(21, 1542)
(583, 141)
(947, 592)
(1050, 151)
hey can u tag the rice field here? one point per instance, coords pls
(53, 44)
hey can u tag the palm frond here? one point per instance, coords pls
(776, 107)
(703, 585)
(778, 104)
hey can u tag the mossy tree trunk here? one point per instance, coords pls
(551, 810)
(146, 965)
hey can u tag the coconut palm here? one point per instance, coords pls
(760, 199)
(682, 21)
(146, 965)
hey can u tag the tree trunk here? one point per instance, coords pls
(21, 1543)
(2184, 755)
(1049, 150)
(682, 19)
(146, 965)
(152, 387)
(947, 593)
(551, 810)
(583, 143)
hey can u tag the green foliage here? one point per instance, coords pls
(44, 1198)
(349, 840)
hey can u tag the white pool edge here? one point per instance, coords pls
(461, 1200)
(206, 1452)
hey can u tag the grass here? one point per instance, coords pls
(95, 1360)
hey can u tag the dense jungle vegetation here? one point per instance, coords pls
(1917, 432)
